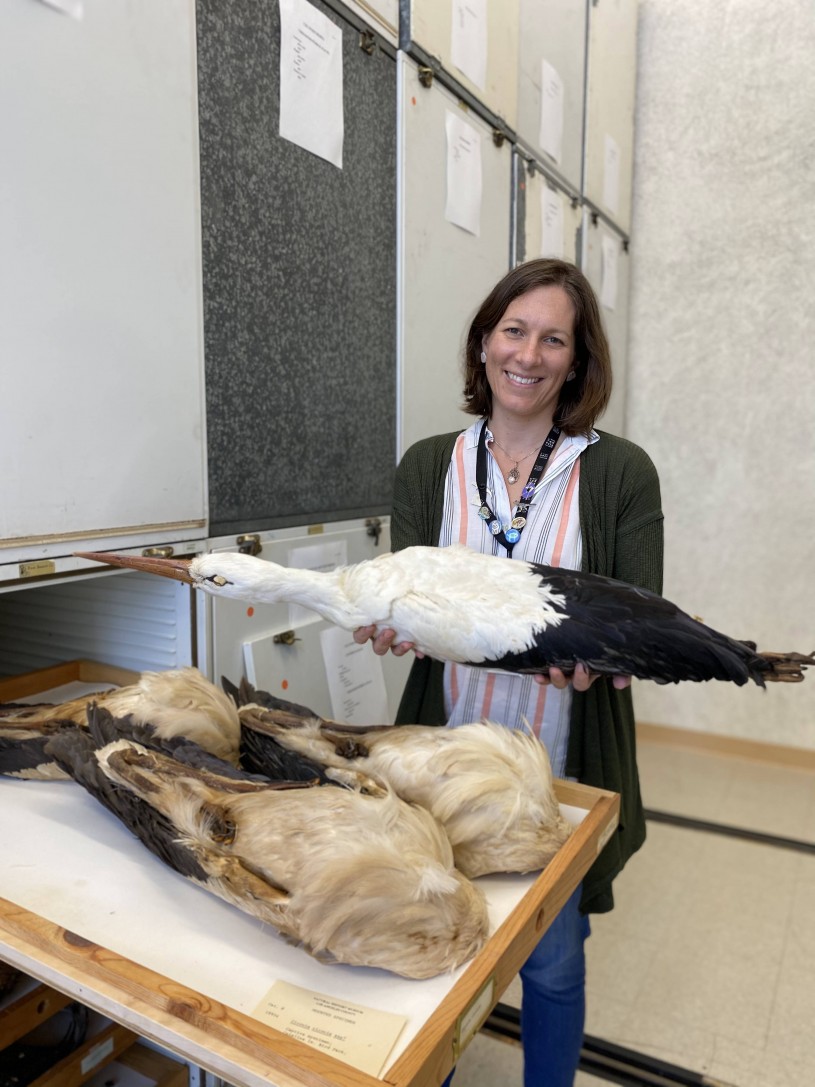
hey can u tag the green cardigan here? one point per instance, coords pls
(621, 527)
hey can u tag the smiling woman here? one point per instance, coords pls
(532, 479)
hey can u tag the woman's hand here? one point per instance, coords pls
(382, 641)
(581, 680)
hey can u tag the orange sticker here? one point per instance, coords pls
(285, 684)
(250, 612)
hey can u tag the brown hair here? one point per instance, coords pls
(584, 398)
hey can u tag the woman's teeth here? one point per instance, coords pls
(522, 380)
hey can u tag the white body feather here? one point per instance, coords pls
(178, 702)
(367, 880)
(418, 592)
(489, 787)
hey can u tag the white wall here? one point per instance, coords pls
(721, 387)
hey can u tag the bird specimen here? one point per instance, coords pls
(456, 604)
(354, 875)
(489, 787)
(179, 702)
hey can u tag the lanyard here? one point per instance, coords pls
(509, 538)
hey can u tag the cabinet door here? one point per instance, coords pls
(445, 270)
(551, 83)
(242, 638)
(299, 283)
(100, 278)
(548, 218)
(612, 67)
(451, 32)
(606, 266)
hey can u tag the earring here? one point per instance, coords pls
(483, 358)
(571, 375)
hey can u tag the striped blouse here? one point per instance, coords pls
(551, 536)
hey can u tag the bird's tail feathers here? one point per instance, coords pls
(786, 667)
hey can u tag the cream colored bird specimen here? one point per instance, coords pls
(356, 877)
(488, 786)
(178, 702)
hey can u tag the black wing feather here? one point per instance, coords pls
(616, 628)
(75, 752)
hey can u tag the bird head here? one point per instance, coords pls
(225, 574)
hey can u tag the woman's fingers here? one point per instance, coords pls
(581, 679)
(383, 641)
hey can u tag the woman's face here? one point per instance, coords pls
(530, 353)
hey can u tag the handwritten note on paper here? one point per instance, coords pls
(321, 557)
(551, 223)
(356, 684)
(311, 110)
(362, 1037)
(463, 205)
(611, 174)
(468, 45)
(551, 128)
(608, 272)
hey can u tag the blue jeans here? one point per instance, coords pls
(553, 1008)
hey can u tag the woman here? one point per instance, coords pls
(532, 479)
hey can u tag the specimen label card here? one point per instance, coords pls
(362, 1037)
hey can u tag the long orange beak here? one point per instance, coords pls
(177, 569)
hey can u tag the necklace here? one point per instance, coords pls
(510, 535)
(513, 475)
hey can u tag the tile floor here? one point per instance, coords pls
(708, 960)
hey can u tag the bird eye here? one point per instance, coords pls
(217, 579)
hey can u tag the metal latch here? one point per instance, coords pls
(373, 528)
(249, 544)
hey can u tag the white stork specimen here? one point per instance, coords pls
(458, 605)
(354, 875)
(488, 786)
(178, 702)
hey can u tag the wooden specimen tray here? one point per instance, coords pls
(87, 909)
(50, 682)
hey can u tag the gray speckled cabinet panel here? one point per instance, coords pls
(299, 284)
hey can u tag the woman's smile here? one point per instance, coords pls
(518, 379)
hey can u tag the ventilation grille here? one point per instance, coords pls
(130, 620)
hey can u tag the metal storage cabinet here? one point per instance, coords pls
(100, 282)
